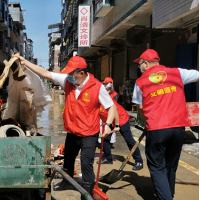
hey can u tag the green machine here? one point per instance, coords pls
(140, 121)
(23, 163)
(26, 163)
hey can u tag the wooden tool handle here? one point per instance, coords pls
(100, 156)
(133, 150)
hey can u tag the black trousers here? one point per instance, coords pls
(125, 131)
(107, 148)
(87, 145)
(163, 149)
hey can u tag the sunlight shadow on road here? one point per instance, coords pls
(143, 185)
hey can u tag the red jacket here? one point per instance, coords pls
(81, 115)
(123, 115)
(164, 103)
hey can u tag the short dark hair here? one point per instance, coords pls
(81, 69)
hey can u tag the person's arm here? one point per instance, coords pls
(40, 71)
(137, 95)
(116, 129)
(189, 76)
(138, 99)
(140, 109)
(106, 101)
(112, 112)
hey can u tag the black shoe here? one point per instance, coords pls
(138, 166)
(64, 185)
(105, 161)
(89, 187)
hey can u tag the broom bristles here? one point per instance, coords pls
(98, 194)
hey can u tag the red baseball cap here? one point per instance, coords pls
(108, 80)
(149, 54)
(74, 63)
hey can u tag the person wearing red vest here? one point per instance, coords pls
(110, 88)
(159, 95)
(124, 130)
(83, 96)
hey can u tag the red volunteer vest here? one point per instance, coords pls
(81, 115)
(123, 115)
(164, 103)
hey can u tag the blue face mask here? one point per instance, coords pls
(72, 79)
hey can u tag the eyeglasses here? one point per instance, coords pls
(72, 73)
(140, 64)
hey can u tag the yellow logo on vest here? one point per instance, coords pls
(86, 97)
(158, 78)
(166, 90)
(101, 109)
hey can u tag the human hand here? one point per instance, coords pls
(106, 132)
(22, 59)
(116, 129)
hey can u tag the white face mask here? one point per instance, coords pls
(108, 85)
(141, 70)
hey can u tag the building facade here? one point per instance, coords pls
(12, 37)
(69, 34)
(29, 50)
(54, 50)
(121, 30)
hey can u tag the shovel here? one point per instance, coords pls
(115, 175)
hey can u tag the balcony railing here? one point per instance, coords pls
(72, 45)
(71, 17)
(103, 7)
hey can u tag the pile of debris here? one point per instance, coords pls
(11, 128)
(58, 153)
(27, 94)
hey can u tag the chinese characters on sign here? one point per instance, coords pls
(163, 91)
(83, 26)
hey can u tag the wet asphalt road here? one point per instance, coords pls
(135, 185)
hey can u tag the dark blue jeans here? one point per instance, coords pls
(163, 149)
(125, 131)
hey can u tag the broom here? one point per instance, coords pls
(97, 193)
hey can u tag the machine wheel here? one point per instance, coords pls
(11, 131)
